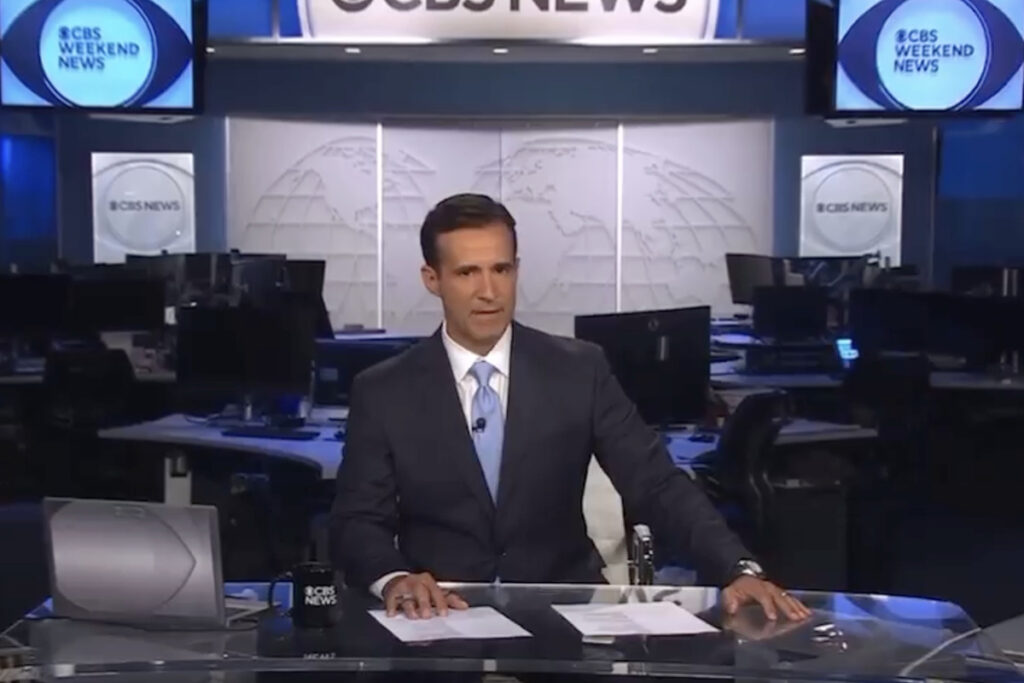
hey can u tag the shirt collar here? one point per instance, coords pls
(462, 359)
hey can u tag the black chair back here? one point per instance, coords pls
(88, 388)
(891, 392)
(743, 454)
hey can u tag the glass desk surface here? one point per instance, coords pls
(848, 638)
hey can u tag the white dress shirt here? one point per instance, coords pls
(462, 360)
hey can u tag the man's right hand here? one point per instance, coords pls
(418, 596)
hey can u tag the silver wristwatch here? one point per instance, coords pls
(748, 568)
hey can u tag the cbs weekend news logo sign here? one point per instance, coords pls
(601, 21)
(97, 53)
(930, 55)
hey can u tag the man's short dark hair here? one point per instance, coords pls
(462, 211)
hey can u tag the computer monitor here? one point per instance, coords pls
(830, 272)
(1007, 323)
(307, 278)
(313, 304)
(791, 313)
(206, 276)
(134, 563)
(339, 361)
(661, 359)
(32, 305)
(124, 303)
(259, 352)
(985, 280)
(964, 327)
(888, 320)
(253, 280)
(304, 276)
(748, 272)
(168, 268)
(106, 271)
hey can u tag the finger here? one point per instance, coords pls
(409, 607)
(422, 600)
(732, 603)
(455, 601)
(767, 602)
(789, 606)
(391, 602)
(801, 608)
(437, 597)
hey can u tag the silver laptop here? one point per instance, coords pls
(138, 563)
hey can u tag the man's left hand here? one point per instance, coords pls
(749, 589)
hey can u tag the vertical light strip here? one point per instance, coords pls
(769, 238)
(58, 149)
(275, 18)
(380, 225)
(619, 163)
(228, 192)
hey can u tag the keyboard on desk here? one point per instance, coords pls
(266, 432)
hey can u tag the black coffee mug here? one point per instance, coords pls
(314, 596)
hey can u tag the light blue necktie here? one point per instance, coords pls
(487, 425)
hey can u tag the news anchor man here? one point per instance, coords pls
(466, 456)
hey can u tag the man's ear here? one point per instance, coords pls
(430, 278)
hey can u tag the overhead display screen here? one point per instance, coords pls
(929, 55)
(100, 54)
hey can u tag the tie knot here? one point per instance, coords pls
(482, 371)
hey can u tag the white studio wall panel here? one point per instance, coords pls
(422, 166)
(309, 190)
(691, 193)
(142, 203)
(559, 183)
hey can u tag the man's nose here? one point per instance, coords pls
(486, 289)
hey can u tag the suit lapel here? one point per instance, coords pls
(526, 384)
(443, 416)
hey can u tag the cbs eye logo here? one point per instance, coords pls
(97, 53)
(942, 55)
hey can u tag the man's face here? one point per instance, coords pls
(476, 280)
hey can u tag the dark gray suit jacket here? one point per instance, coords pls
(410, 471)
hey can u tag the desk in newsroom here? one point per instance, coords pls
(323, 453)
(849, 637)
(731, 374)
(952, 381)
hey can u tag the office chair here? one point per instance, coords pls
(736, 475)
(890, 392)
(83, 390)
(88, 388)
(792, 516)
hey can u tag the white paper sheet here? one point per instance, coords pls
(475, 622)
(634, 618)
